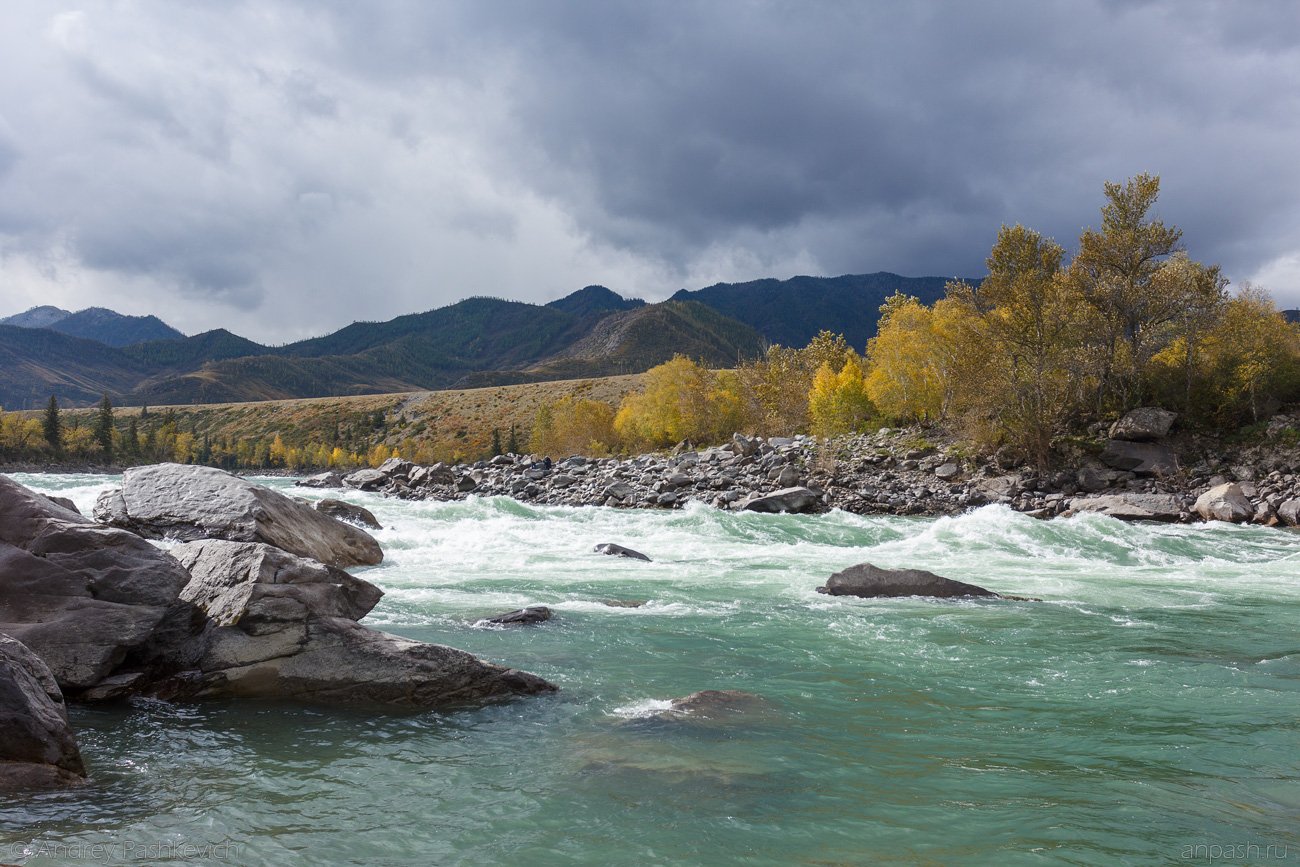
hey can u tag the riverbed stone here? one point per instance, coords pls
(1144, 459)
(871, 582)
(619, 551)
(795, 500)
(1226, 502)
(529, 616)
(37, 746)
(350, 513)
(1131, 506)
(78, 594)
(187, 503)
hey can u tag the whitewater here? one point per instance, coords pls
(1147, 710)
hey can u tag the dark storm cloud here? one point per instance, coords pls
(256, 163)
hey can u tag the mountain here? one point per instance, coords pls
(38, 362)
(37, 317)
(96, 323)
(791, 312)
(478, 341)
(595, 299)
(115, 329)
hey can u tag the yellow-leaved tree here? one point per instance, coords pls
(572, 426)
(838, 401)
(905, 379)
(681, 400)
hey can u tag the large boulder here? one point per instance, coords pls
(1144, 459)
(37, 747)
(78, 594)
(328, 479)
(187, 503)
(1144, 424)
(261, 623)
(1226, 502)
(872, 582)
(1131, 506)
(785, 500)
(366, 480)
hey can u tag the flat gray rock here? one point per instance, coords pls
(37, 747)
(349, 512)
(78, 594)
(1144, 459)
(1131, 506)
(1226, 502)
(187, 503)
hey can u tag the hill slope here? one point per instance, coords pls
(791, 312)
(37, 317)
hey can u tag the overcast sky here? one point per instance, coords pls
(283, 168)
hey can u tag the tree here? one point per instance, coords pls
(904, 380)
(512, 445)
(103, 428)
(838, 402)
(53, 427)
(1115, 270)
(680, 401)
(574, 426)
(496, 441)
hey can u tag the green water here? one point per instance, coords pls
(1149, 705)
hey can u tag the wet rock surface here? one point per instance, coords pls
(37, 747)
(872, 582)
(614, 550)
(175, 501)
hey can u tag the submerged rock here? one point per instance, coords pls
(715, 704)
(619, 551)
(352, 514)
(37, 747)
(189, 502)
(871, 582)
(529, 616)
(79, 595)
(261, 623)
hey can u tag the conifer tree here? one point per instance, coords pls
(496, 441)
(53, 427)
(103, 428)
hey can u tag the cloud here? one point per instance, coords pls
(281, 168)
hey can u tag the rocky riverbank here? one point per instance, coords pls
(1133, 470)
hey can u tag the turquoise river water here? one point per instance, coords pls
(1146, 711)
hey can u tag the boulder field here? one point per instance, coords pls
(1132, 471)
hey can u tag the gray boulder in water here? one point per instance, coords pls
(872, 582)
(349, 512)
(261, 623)
(619, 551)
(1130, 506)
(1226, 502)
(785, 500)
(79, 595)
(529, 616)
(188, 503)
(329, 479)
(37, 747)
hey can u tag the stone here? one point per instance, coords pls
(1131, 506)
(618, 490)
(328, 479)
(529, 616)
(743, 445)
(396, 468)
(1224, 502)
(872, 582)
(789, 477)
(1289, 513)
(37, 747)
(257, 622)
(619, 551)
(63, 503)
(1144, 424)
(796, 500)
(188, 503)
(1000, 486)
(366, 480)
(947, 471)
(79, 595)
(1092, 479)
(349, 512)
(1144, 459)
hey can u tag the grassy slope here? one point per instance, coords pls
(465, 416)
